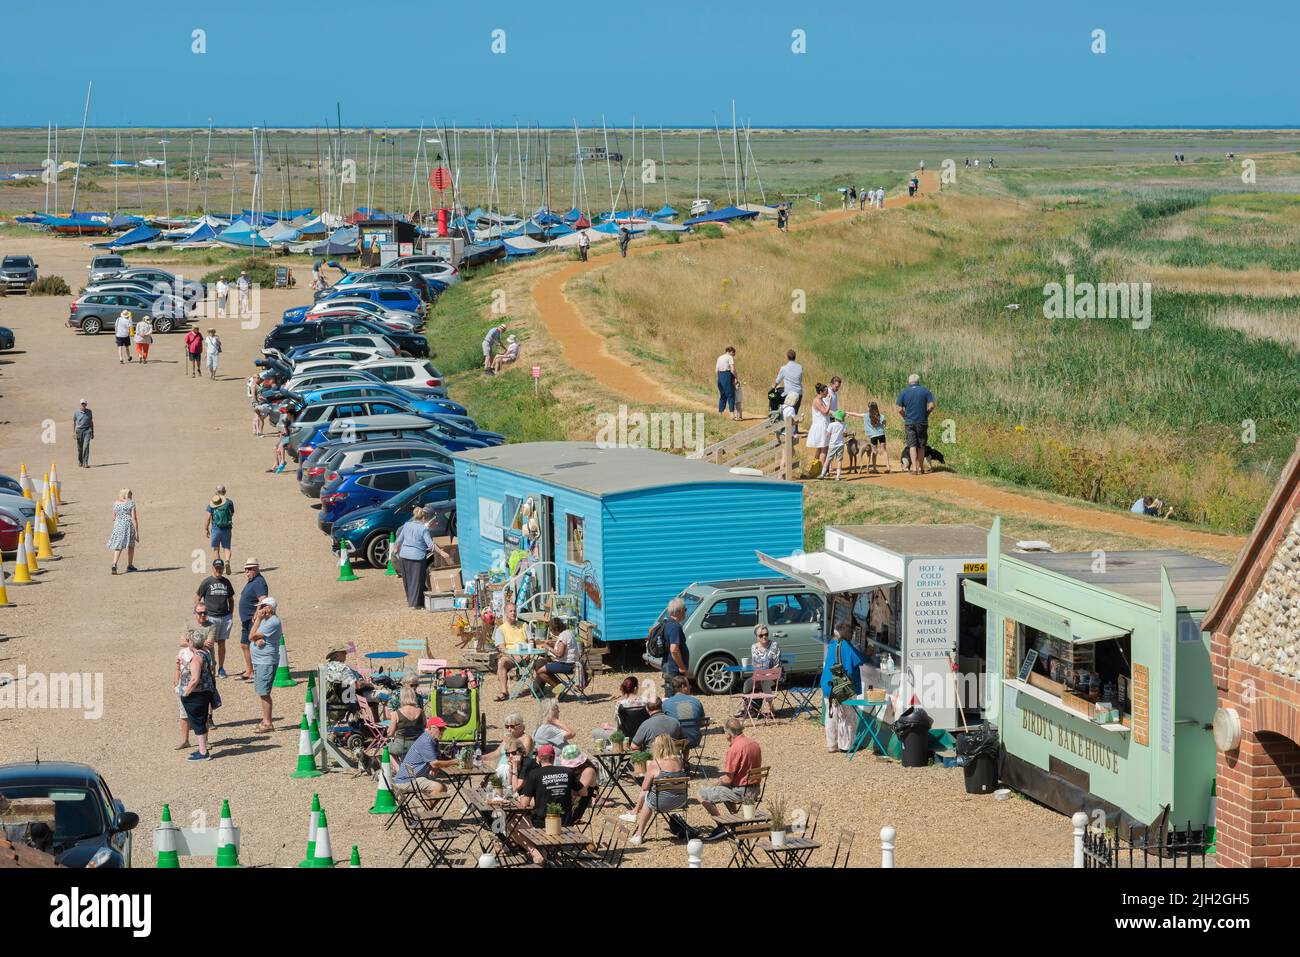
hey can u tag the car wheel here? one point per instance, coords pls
(92, 327)
(164, 325)
(713, 679)
(376, 550)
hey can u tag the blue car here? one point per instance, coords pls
(390, 297)
(418, 403)
(441, 435)
(365, 487)
(366, 530)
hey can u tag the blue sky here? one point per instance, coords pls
(932, 64)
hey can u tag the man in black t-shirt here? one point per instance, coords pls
(218, 596)
(549, 784)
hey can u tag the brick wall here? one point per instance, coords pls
(1010, 665)
(1258, 813)
(1140, 694)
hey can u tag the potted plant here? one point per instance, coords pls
(618, 739)
(638, 760)
(748, 809)
(554, 820)
(776, 808)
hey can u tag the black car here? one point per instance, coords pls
(7, 341)
(18, 273)
(290, 335)
(91, 827)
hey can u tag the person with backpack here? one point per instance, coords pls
(197, 687)
(669, 641)
(841, 681)
(220, 522)
(193, 351)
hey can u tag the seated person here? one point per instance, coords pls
(510, 355)
(665, 760)
(505, 757)
(579, 762)
(511, 631)
(686, 708)
(552, 730)
(346, 687)
(406, 724)
(1149, 505)
(423, 760)
(764, 654)
(565, 648)
(658, 723)
(743, 756)
(629, 697)
(545, 785)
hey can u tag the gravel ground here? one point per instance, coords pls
(172, 439)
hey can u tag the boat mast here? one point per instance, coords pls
(735, 147)
(117, 166)
(49, 163)
(189, 175)
(699, 150)
(663, 164)
(726, 177)
(76, 175)
(608, 170)
(207, 167)
(56, 169)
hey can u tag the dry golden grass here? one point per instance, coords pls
(1278, 325)
(1257, 282)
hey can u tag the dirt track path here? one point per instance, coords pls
(586, 351)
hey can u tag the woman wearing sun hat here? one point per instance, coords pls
(579, 762)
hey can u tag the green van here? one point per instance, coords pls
(719, 627)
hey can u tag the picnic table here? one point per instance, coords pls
(794, 853)
(741, 855)
(558, 849)
(867, 714)
(501, 816)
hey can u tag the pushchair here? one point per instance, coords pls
(454, 697)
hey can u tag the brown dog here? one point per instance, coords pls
(851, 447)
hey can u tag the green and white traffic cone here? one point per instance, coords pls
(391, 571)
(227, 852)
(346, 574)
(322, 853)
(1211, 831)
(313, 820)
(283, 678)
(306, 756)
(313, 723)
(355, 860)
(384, 802)
(164, 842)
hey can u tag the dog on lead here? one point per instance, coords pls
(851, 449)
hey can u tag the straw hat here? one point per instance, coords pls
(218, 500)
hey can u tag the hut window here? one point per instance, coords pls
(575, 551)
(1082, 673)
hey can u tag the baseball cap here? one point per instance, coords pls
(81, 402)
(546, 751)
(218, 563)
(436, 722)
(269, 602)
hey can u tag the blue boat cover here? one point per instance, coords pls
(203, 233)
(138, 236)
(122, 221)
(726, 214)
(666, 212)
(276, 214)
(240, 233)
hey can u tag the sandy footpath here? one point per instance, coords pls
(171, 439)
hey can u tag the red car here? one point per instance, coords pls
(10, 525)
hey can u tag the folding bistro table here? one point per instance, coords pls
(866, 711)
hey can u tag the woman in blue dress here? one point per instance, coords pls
(840, 720)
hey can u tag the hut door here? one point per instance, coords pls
(546, 544)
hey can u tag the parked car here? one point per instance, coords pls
(91, 827)
(719, 627)
(11, 524)
(387, 276)
(350, 304)
(368, 427)
(403, 422)
(324, 377)
(104, 267)
(95, 312)
(327, 462)
(313, 418)
(191, 289)
(18, 273)
(286, 336)
(366, 530)
(419, 399)
(7, 340)
(404, 372)
(10, 484)
(363, 488)
(15, 502)
(407, 300)
(431, 268)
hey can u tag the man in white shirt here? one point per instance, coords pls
(243, 295)
(834, 397)
(122, 335)
(584, 244)
(790, 378)
(726, 367)
(223, 295)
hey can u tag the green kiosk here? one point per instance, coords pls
(1100, 680)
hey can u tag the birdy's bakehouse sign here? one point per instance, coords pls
(1077, 744)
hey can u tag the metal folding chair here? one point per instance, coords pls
(695, 757)
(751, 699)
(665, 785)
(802, 700)
(575, 683)
(843, 846)
(743, 839)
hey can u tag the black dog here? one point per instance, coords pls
(931, 455)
